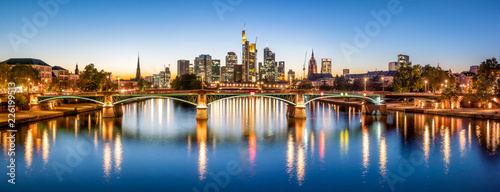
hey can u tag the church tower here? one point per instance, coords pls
(138, 73)
(312, 67)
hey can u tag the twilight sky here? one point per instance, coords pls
(109, 33)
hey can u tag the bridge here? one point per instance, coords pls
(296, 99)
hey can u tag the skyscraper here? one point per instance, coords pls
(204, 67)
(326, 65)
(249, 58)
(270, 67)
(245, 55)
(281, 70)
(138, 72)
(216, 70)
(182, 67)
(231, 61)
(291, 75)
(313, 69)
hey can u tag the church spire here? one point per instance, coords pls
(138, 73)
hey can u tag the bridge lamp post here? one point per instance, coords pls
(383, 85)
(118, 83)
(365, 83)
(425, 86)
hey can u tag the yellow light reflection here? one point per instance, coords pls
(366, 150)
(201, 132)
(446, 150)
(46, 147)
(107, 160)
(28, 145)
(118, 154)
(427, 144)
(383, 157)
(290, 156)
(301, 165)
(463, 142)
(322, 147)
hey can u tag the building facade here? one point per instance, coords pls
(216, 72)
(326, 65)
(182, 67)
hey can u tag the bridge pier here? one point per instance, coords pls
(201, 108)
(109, 110)
(373, 109)
(296, 112)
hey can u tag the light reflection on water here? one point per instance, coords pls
(335, 144)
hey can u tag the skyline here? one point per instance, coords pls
(113, 33)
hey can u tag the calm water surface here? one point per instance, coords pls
(250, 145)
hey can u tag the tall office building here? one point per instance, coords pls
(216, 71)
(231, 61)
(238, 73)
(326, 65)
(313, 69)
(281, 70)
(182, 67)
(249, 58)
(291, 75)
(203, 67)
(270, 67)
(262, 72)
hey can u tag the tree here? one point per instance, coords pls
(143, 84)
(374, 84)
(91, 79)
(4, 75)
(341, 83)
(450, 93)
(358, 84)
(53, 85)
(408, 78)
(306, 84)
(20, 100)
(24, 75)
(186, 82)
(484, 81)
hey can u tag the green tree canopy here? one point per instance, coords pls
(23, 75)
(91, 79)
(186, 82)
(408, 78)
(486, 78)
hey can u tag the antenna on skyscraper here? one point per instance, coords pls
(267, 44)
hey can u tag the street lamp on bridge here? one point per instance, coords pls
(365, 83)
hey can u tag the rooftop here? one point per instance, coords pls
(26, 61)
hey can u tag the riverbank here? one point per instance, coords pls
(24, 116)
(474, 113)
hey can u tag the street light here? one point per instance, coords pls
(426, 86)
(365, 83)
(383, 85)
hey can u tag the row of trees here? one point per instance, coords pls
(21, 75)
(415, 78)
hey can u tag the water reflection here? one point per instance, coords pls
(256, 133)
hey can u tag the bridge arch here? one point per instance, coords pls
(245, 96)
(369, 99)
(154, 97)
(69, 97)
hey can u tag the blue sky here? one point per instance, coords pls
(109, 33)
